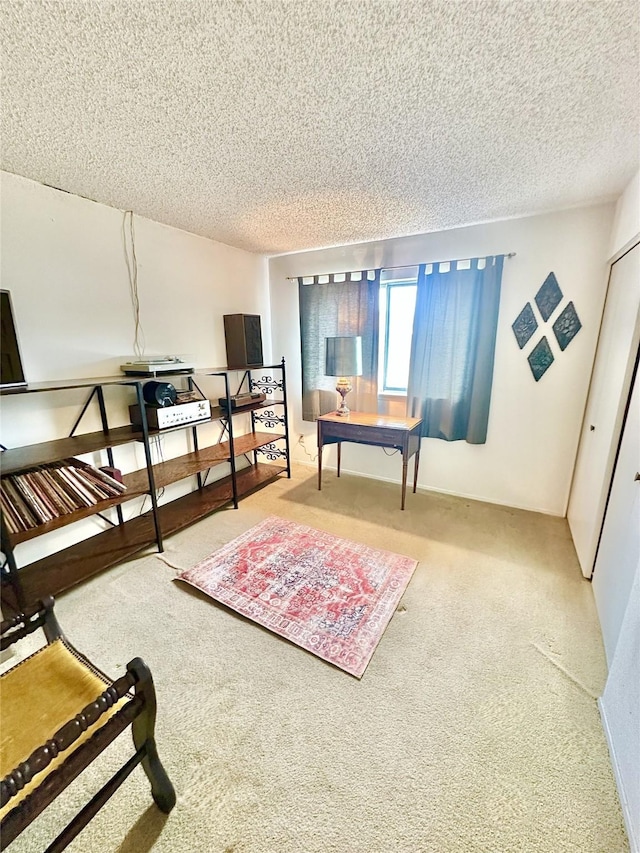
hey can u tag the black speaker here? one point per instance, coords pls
(243, 336)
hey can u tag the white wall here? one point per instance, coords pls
(63, 262)
(533, 427)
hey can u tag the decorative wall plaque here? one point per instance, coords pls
(540, 358)
(567, 326)
(524, 325)
(548, 297)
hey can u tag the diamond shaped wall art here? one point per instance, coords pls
(540, 358)
(549, 296)
(524, 325)
(567, 326)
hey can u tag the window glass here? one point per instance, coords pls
(397, 306)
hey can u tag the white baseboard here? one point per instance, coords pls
(465, 495)
(634, 840)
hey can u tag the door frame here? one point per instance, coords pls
(625, 415)
(632, 244)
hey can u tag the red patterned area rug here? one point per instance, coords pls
(331, 596)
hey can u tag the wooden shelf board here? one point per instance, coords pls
(186, 510)
(181, 467)
(255, 476)
(219, 371)
(200, 460)
(67, 384)
(71, 566)
(253, 440)
(32, 455)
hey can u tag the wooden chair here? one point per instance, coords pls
(58, 712)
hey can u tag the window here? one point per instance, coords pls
(398, 289)
(442, 368)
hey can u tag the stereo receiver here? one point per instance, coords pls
(172, 416)
(239, 401)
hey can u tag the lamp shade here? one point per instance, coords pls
(343, 356)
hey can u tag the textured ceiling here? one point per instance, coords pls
(279, 126)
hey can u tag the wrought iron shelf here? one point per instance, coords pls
(268, 436)
(68, 567)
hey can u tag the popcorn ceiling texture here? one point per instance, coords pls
(282, 126)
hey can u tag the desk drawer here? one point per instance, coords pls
(381, 436)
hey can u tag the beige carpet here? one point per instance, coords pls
(474, 728)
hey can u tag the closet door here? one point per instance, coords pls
(608, 394)
(619, 548)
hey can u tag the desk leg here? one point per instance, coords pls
(319, 467)
(339, 456)
(415, 471)
(404, 479)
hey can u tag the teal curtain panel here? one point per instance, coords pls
(338, 308)
(453, 348)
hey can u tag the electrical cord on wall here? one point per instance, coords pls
(302, 445)
(155, 442)
(132, 269)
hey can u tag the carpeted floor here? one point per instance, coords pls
(474, 729)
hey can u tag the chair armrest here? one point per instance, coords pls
(20, 626)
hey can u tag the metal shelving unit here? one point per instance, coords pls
(69, 566)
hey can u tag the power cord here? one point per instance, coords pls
(314, 458)
(155, 442)
(132, 269)
(302, 445)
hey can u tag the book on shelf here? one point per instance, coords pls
(66, 488)
(33, 501)
(96, 486)
(56, 489)
(83, 497)
(11, 516)
(22, 509)
(110, 480)
(37, 487)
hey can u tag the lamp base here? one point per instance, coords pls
(343, 386)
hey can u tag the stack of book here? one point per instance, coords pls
(42, 494)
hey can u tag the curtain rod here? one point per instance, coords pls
(400, 267)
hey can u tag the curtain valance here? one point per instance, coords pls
(340, 277)
(372, 274)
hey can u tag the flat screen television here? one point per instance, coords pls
(12, 374)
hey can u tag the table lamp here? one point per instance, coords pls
(343, 359)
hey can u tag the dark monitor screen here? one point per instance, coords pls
(12, 373)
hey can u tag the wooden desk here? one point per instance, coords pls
(403, 434)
